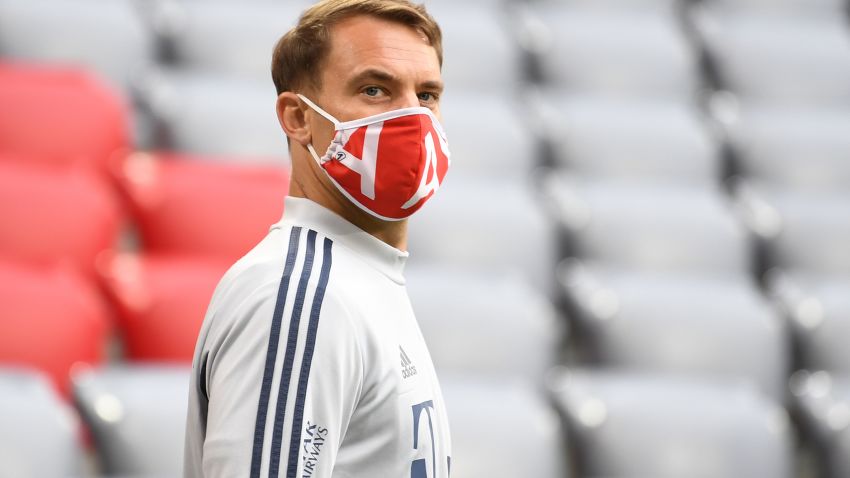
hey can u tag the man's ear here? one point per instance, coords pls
(292, 119)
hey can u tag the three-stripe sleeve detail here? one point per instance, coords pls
(271, 354)
(306, 362)
(285, 367)
(289, 358)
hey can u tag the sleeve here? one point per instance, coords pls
(283, 383)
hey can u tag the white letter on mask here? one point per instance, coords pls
(368, 164)
(425, 186)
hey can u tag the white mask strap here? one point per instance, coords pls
(319, 110)
(313, 153)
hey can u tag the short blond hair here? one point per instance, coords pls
(298, 55)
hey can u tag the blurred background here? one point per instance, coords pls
(639, 265)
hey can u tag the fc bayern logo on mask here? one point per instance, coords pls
(391, 168)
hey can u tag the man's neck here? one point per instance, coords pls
(393, 233)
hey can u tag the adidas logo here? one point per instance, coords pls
(407, 367)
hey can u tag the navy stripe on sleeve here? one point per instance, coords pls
(306, 362)
(289, 358)
(271, 354)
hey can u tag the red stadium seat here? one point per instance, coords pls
(186, 205)
(51, 319)
(59, 115)
(50, 214)
(161, 302)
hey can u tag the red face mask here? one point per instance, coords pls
(388, 164)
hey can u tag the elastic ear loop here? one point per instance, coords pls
(326, 115)
(319, 110)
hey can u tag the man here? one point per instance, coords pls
(310, 362)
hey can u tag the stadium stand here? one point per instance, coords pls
(617, 52)
(719, 328)
(648, 227)
(60, 115)
(515, 329)
(71, 214)
(591, 141)
(38, 431)
(524, 440)
(161, 301)
(214, 116)
(824, 405)
(105, 36)
(778, 59)
(465, 226)
(656, 140)
(136, 415)
(200, 206)
(645, 425)
(52, 320)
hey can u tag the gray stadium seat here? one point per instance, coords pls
(617, 138)
(209, 115)
(107, 36)
(485, 325)
(777, 59)
(638, 425)
(479, 52)
(824, 403)
(818, 309)
(485, 224)
(488, 135)
(786, 7)
(646, 226)
(226, 37)
(630, 53)
(38, 432)
(501, 429)
(812, 233)
(790, 148)
(137, 415)
(677, 324)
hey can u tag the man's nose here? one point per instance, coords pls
(408, 100)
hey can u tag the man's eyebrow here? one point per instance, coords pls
(375, 74)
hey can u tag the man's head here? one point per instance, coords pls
(299, 54)
(354, 58)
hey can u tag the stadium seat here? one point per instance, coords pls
(644, 425)
(617, 138)
(161, 302)
(193, 205)
(485, 224)
(52, 320)
(59, 116)
(501, 429)
(488, 136)
(779, 59)
(792, 148)
(224, 37)
(824, 405)
(623, 53)
(38, 431)
(676, 324)
(137, 417)
(784, 7)
(479, 31)
(51, 214)
(106, 36)
(818, 309)
(812, 232)
(485, 325)
(215, 116)
(651, 227)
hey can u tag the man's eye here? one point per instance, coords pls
(372, 91)
(427, 97)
